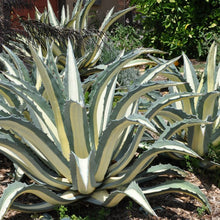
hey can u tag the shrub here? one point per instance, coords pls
(179, 25)
(125, 37)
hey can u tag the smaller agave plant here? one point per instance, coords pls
(204, 106)
(87, 44)
(74, 149)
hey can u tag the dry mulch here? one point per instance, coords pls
(170, 206)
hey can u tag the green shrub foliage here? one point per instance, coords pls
(179, 25)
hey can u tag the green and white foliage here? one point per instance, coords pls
(88, 44)
(75, 150)
(205, 106)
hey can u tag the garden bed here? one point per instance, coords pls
(170, 206)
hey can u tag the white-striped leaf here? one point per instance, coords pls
(39, 140)
(22, 70)
(199, 138)
(83, 173)
(190, 74)
(77, 128)
(208, 105)
(52, 17)
(41, 110)
(166, 100)
(133, 191)
(72, 77)
(145, 159)
(180, 125)
(105, 77)
(31, 165)
(48, 85)
(16, 189)
(151, 73)
(210, 70)
(177, 186)
(109, 139)
(135, 94)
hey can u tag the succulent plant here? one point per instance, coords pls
(88, 43)
(204, 106)
(75, 150)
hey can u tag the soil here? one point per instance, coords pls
(169, 206)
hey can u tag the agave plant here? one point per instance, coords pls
(206, 106)
(76, 151)
(88, 44)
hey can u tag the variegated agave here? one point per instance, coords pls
(77, 151)
(204, 106)
(87, 44)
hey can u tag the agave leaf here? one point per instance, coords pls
(56, 49)
(166, 100)
(12, 78)
(8, 110)
(84, 14)
(52, 17)
(54, 103)
(9, 97)
(83, 173)
(217, 81)
(37, 13)
(133, 191)
(138, 62)
(160, 170)
(40, 108)
(109, 139)
(16, 189)
(108, 21)
(210, 67)
(180, 125)
(105, 105)
(164, 169)
(70, 23)
(39, 140)
(199, 138)
(151, 73)
(101, 83)
(188, 105)
(216, 137)
(22, 70)
(145, 159)
(210, 165)
(36, 73)
(172, 114)
(77, 127)
(127, 154)
(177, 186)
(190, 74)
(207, 105)
(135, 94)
(31, 165)
(176, 77)
(72, 79)
(69, 196)
(76, 14)
(51, 63)
(40, 207)
(9, 66)
(63, 16)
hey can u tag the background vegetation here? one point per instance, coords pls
(178, 25)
